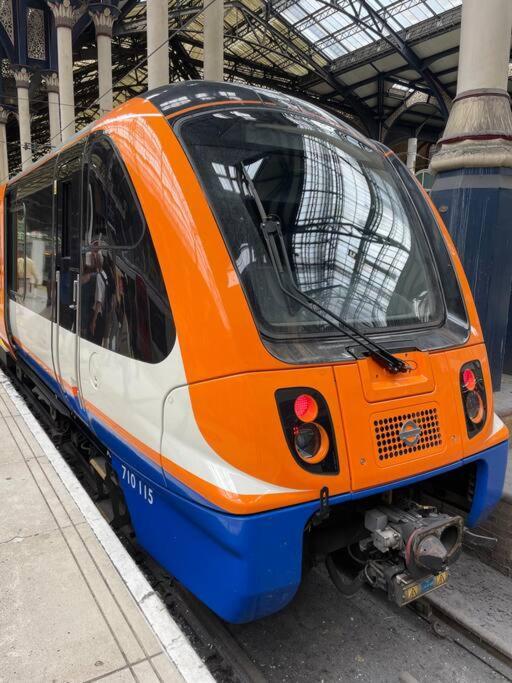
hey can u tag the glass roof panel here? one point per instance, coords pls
(334, 29)
(335, 22)
(437, 6)
(294, 14)
(412, 16)
(357, 40)
(334, 51)
(315, 32)
(310, 5)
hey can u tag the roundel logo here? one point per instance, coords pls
(409, 433)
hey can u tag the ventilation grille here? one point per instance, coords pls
(390, 445)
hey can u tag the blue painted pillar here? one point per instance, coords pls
(476, 205)
(473, 184)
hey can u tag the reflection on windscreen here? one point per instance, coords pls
(352, 240)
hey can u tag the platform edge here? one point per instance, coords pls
(173, 640)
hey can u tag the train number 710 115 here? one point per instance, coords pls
(137, 484)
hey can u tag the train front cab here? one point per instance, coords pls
(195, 380)
(250, 353)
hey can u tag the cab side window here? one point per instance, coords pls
(124, 304)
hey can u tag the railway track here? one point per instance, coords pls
(229, 651)
(445, 627)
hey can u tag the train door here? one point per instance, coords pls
(126, 327)
(67, 218)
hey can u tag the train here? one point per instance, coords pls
(259, 320)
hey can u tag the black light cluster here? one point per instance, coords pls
(308, 429)
(474, 399)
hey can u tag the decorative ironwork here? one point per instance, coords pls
(417, 97)
(6, 18)
(36, 35)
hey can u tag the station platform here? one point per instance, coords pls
(73, 604)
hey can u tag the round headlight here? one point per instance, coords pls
(474, 407)
(311, 442)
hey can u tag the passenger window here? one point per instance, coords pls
(30, 225)
(123, 301)
(115, 216)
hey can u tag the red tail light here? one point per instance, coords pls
(468, 379)
(306, 408)
(474, 398)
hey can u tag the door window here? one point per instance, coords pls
(16, 242)
(69, 180)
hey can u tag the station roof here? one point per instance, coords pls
(338, 32)
(389, 67)
(360, 58)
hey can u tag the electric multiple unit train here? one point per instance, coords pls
(260, 320)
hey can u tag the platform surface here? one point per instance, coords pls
(65, 611)
(480, 599)
(503, 407)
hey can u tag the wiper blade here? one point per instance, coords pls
(273, 237)
(271, 229)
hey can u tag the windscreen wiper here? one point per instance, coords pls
(272, 234)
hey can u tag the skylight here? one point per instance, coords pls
(332, 27)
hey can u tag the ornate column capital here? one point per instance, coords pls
(103, 16)
(21, 76)
(4, 114)
(63, 12)
(51, 80)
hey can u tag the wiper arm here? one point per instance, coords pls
(273, 236)
(271, 229)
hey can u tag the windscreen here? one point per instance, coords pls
(353, 239)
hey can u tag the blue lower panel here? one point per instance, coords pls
(490, 477)
(246, 567)
(242, 567)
